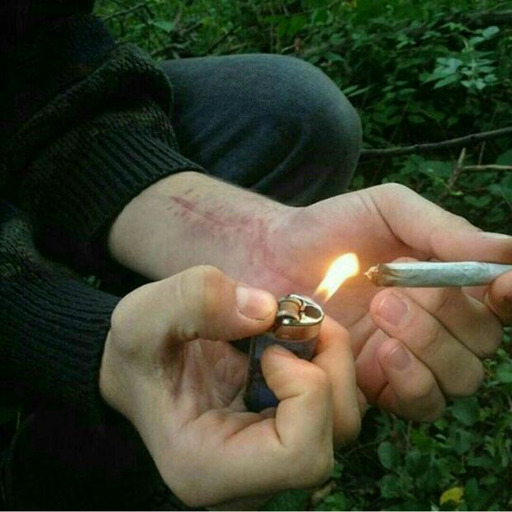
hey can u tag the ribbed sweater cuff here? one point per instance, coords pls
(78, 206)
(54, 329)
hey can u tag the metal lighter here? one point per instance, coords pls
(296, 327)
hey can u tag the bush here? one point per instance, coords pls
(417, 72)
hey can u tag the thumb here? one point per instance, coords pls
(200, 302)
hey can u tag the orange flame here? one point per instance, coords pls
(347, 265)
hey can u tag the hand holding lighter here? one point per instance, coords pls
(296, 327)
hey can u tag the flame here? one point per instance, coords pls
(347, 265)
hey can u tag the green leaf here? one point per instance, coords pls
(388, 455)
(461, 441)
(490, 32)
(166, 26)
(390, 486)
(477, 202)
(505, 158)
(415, 119)
(446, 81)
(471, 491)
(288, 500)
(294, 25)
(466, 410)
(416, 463)
(503, 373)
(336, 501)
(316, 4)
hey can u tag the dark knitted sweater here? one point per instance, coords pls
(85, 126)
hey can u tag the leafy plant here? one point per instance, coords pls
(417, 72)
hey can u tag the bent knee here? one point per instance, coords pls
(305, 96)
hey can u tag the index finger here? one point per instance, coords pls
(335, 357)
(440, 234)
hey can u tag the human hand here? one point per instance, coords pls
(407, 368)
(183, 392)
(414, 347)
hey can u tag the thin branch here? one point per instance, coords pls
(458, 169)
(162, 50)
(221, 39)
(486, 18)
(370, 154)
(125, 12)
(487, 168)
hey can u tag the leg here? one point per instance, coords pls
(274, 124)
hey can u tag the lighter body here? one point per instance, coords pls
(296, 327)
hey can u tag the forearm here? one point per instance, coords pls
(189, 219)
(85, 131)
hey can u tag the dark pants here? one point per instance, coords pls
(273, 124)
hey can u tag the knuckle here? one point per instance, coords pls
(205, 283)
(313, 470)
(396, 188)
(422, 401)
(125, 325)
(322, 468)
(318, 381)
(491, 338)
(471, 384)
(466, 381)
(116, 319)
(349, 431)
(421, 391)
(444, 300)
(430, 343)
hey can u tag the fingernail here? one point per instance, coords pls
(253, 303)
(399, 358)
(495, 236)
(392, 309)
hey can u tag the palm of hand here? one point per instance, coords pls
(210, 376)
(210, 439)
(311, 238)
(210, 428)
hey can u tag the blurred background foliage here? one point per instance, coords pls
(418, 72)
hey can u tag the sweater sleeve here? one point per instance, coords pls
(85, 127)
(53, 325)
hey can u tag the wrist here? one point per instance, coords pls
(191, 219)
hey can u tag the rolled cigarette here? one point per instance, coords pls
(436, 274)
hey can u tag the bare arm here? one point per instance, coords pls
(191, 219)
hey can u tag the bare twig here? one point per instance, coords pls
(486, 18)
(458, 169)
(221, 39)
(162, 50)
(125, 12)
(370, 154)
(487, 168)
